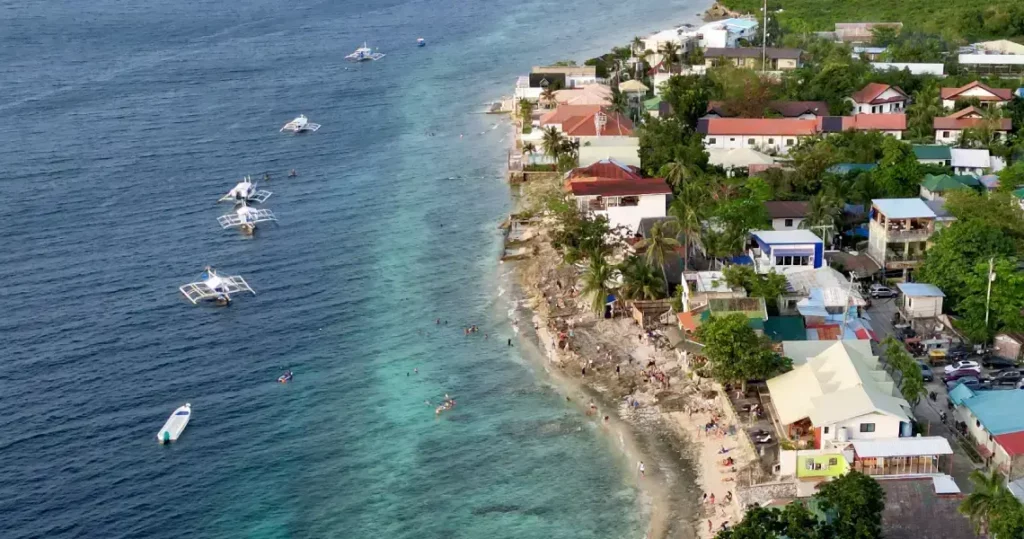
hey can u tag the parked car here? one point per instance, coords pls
(1006, 376)
(879, 291)
(961, 373)
(926, 371)
(996, 362)
(972, 382)
(962, 364)
(957, 353)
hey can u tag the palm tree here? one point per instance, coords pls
(620, 102)
(552, 142)
(547, 95)
(688, 211)
(824, 210)
(529, 148)
(640, 280)
(669, 55)
(526, 112)
(638, 44)
(596, 283)
(988, 489)
(679, 173)
(925, 107)
(658, 244)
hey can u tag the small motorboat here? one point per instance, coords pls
(175, 424)
(420, 42)
(285, 378)
(364, 54)
(300, 125)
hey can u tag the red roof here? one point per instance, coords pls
(565, 112)
(761, 126)
(876, 122)
(617, 188)
(615, 125)
(967, 119)
(606, 169)
(998, 94)
(1013, 443)
(869, 94)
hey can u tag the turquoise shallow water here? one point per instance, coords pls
(127, 120)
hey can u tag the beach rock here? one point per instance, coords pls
(718, 12)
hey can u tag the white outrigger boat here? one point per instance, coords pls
(215, 288)
(246, 191)
(300, 125)
(364, 54)
(175, 424)
(245, 218)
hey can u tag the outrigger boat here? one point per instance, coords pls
(364, 54)
(175, 424)
(246, 191)
(447, 404)
(245, 218)
(300, 125)
(213, 287)
(285, 378)
(420, 42)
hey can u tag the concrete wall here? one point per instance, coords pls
(1006, 346)
(780, 224)
(763, 143)
(922, 307)
(629, 216)
(625, 154)
(885, 427)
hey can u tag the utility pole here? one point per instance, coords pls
(764, 36)
(822, 228)
(988, 294)
(846, 304)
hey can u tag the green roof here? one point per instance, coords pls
(932, 151)
(969, 181)
(942, 183)
(652, 103)
(1019, 193)
(785, 328)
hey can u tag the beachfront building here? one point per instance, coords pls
(750, 57)
(785, 251)
(618, 192)
(727, 33)
(948, 129)
(933, 154)
(837, 395)
(899, 230)
(584, 123)
(787, 214)
(591, 94)
(569, 76)
(804, 110)
(993, 420)
(986, 95)
(917, 455)
(778, 135)
(861, 32)
(828, 304)
(878, 98)
(916, 69)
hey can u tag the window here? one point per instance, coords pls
(832, 462)
(778, 261)
(867, 427)
(732, 139)
(771, 141)
(817, 465)
(804, 261)
(825, 430)
(711, 140)
(809, 464)
(789, 222)
(750, 141)
(945, 134)
(789, 142)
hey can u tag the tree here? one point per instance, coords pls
(925, 107)
(669, 55)
(637, 44)
(597, 283)
(552, 142)
(911, 380)
(620, 102)
(824, 210)
(794, 521)
(578, 235)
(984, 500)
(640, 280)
(659, 244)
(744, 92)
(769, 285)
(688, 97)
(956, 250)
(898, 172)
(688, 211)
(547, 96)
(1005, 306)
(526, 113)
(529, 148)
(853, 503)
(665, 140)
(736, 353)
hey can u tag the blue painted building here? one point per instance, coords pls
(788, 250)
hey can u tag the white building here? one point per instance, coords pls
(899, 231)
(575, 76)
(994, 420)
(938, 70)
(973, 162)
(618, 192)
(726, 33)
(987, 95)
(790, 250)
(787, 214)
(625, 150)
(767, 135)
(948, 129)
(878, 98)
(840, 394)
(921, 300)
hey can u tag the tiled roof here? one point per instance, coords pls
(942, 183)
(785, 209)
(788, 109)
(1013, 443)
(615, 125)
(605, 168)
(869, 93)
(752, 52)
(565, 112)
(998, 94)
(967, 119)
(872, 122)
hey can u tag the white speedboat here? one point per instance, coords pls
(300, 125)
(175, 424)
(364, 54)
(245, 191)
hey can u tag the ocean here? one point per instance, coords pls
(127, 120)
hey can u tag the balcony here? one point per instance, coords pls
(913, 234)
(894, 260)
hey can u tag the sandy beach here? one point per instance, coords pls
(655, 410)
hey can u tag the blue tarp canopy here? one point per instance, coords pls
(857, 232)
(742, 260)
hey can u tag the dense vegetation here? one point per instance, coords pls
(952, 19)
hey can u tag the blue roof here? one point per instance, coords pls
(998, 411)
(742, 23)
(920, 290)
(845, 168)
(742, 260)
(960, 393)
(903, 208)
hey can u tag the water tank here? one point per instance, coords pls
(844, 435)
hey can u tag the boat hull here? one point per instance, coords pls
(175, 425)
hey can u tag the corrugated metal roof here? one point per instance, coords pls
(998, 411)
(1013, 443)
(920, 290)
(902, 447)
(774, 237)
(932, 151)
(903, 208)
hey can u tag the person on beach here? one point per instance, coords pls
(710, 526)
(510, 342)
(711, 500)
(642, 469)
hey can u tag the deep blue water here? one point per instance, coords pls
(125, 121)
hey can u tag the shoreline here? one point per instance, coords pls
(664, 431)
